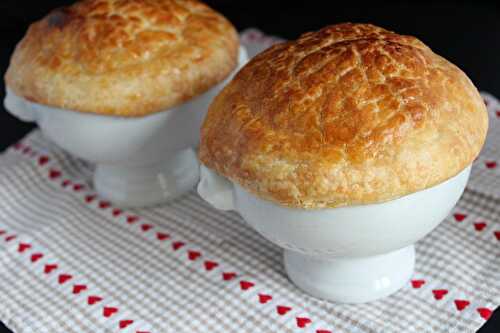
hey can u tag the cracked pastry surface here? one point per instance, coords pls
(351, 114)
(123, 57)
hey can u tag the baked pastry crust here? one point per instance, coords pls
(352, 114)
(123, 57)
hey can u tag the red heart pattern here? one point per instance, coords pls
(263, 298)
(491, 164)
(461, 304)
(109, 311)
(2, 232)
(43, 160)
(439, 293)
(36, 256)
(78, 187)
(323, 331)
(49, 268)
(125, 323)
(485, 313)
(177, 245)
(91, 300)
(117, 212)
(209, 265)
(23, 247)
(303, 321)
(283, 310)
(146, 227)
(459, 217)
(497, 234)
(245, 285)
(228, 276)
(78, 288)
(104, 204)
(90, 198)
(162, 236)
(54, 174)
(193, 255)
(417, 283)
(10, 238)
(66, 183)
(63, 278)
(131, 219)
(479, 226)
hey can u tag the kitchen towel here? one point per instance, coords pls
(72, 262)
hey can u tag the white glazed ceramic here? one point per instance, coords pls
(139, 161)
(350, 254)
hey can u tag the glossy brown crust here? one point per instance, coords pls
(351, 114)
(123, 57)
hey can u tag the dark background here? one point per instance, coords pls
(465, 32)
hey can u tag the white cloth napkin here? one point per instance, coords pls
(71, 262)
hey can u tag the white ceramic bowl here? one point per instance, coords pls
(139, 161)
(351, 254)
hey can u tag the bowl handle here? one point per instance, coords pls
(242, 58)
(18, 107)
(216, 190)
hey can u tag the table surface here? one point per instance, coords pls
(466, 33)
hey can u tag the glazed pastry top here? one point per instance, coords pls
(123, 57)
(351, 114)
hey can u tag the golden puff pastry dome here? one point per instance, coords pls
(123, 57)
(348, 115)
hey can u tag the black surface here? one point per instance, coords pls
(465, 32)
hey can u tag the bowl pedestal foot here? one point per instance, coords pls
(129, 185)
(351, 280)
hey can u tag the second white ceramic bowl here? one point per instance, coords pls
(350, 254)
(139, 161)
